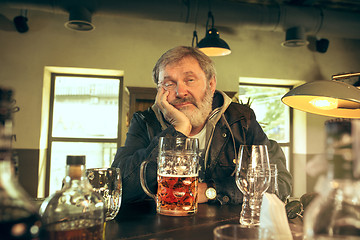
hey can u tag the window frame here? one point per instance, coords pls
(51, 139)
(291, 119)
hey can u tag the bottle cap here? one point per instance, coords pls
(5, 107)
(5, 94)
(75, 160)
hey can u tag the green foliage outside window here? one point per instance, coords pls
(271, 113)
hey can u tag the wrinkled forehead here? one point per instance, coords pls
(185, 64)
(176, 61)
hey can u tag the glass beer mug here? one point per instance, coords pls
(177, 176)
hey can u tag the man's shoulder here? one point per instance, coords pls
(146, 115)
(239, 112)
(239, 109)
(149, 117)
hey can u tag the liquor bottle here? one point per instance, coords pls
(75, 211)
(335, 213)
(18, 217)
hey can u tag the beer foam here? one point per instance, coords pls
(178, 176)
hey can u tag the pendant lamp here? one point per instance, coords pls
(295, 37)
(212, 44)
(79, 19)
(328, 98)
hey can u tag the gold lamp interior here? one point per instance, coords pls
(327, 98)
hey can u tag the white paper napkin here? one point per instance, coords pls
(273, 217)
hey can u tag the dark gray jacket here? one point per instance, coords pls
(229, 126)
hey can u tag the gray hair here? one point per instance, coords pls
(176, 54)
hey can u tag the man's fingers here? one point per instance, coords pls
(174, 116)
(159, 100)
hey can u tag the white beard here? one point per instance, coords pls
(201, 113)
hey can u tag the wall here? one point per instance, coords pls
(133, 46)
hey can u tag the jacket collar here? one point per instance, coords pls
(164, 124)
(221, 102)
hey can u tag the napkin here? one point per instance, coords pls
(273, 217)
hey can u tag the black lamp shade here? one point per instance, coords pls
(21, 24)
(79, 19)
(295, 37)
(213, 45)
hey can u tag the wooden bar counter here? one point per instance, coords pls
(140, 221)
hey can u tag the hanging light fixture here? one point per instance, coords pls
(20, 22)
(194, 39)
(212, 44)
(328, 98)
(79, 19)
(295, 37)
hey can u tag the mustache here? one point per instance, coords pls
(182, 100)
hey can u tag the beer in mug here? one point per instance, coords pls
(177, 177)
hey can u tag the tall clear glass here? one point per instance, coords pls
(273, 187)
(253, 179)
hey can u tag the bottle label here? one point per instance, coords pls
(5, 141)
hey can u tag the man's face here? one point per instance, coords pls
(189, 90)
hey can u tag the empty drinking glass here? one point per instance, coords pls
(107, 182)
(252, 178)
(273, 187)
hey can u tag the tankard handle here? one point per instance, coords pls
(143, 180)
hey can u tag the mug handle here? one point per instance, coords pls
(143, 180)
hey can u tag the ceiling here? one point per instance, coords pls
(341, 5)
(320, 18)
(340, 18)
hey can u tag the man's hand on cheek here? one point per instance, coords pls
(178, 119)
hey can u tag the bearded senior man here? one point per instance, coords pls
(187, 104)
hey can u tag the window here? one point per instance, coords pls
(85, 114)
(274, 116)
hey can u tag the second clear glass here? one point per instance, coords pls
(107, 182)
(273, 187)
(253, 179)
